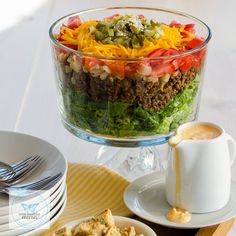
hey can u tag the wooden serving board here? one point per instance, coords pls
(216, 230)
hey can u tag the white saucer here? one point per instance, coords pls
(146, 198)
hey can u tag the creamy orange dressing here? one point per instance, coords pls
(177, 177)
(200, 132)
(178, 215)
(175, 140)
(195, 132)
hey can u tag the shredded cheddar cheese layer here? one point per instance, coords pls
(86, 42)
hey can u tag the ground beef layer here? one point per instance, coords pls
(149, 94)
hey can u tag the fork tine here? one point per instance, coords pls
(44, 185)
(16, 165)
(38, 183)
(31, 158)
(17, 172)
(6, 173)
(26, 162)
(22, 170)
(5, 178)
(20, 164)
(24, 190)
(27, 171)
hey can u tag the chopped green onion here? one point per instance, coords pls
(110, 32)
(99, 35)
(92, 29)
(129, 31)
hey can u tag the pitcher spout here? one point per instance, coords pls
(175, 141)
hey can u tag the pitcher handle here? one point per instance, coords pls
(232, 148)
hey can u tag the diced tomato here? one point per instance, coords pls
(186, 63)
(91, 62)
(194, 43)
(163, 69)
(59, 36)
(199, 57)
(182, 50)
(176, 62)
(117, 68)
(184, 35)
(171, 51)
(162, 52)
(111, 17)
(131, 68)
(200, 54)
(193, 60)
(141, 16)
(189, 28)
(73, 22)
(156, 53)
(168, 65)
(75, 47)
(175, 24)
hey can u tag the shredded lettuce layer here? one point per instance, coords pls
(122, 119)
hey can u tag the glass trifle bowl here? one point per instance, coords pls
(128, 77)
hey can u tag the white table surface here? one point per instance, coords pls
(27, 89)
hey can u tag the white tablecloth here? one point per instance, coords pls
(27, 90)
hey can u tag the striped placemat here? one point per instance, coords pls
(91, 189)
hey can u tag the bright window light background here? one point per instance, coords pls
(13, 11)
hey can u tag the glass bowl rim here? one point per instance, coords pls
(196, 49)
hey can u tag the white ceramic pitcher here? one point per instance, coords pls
(198, 176)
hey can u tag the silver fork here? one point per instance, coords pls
(29, 189)
(8, 170)
(22, 170)
(20, 164)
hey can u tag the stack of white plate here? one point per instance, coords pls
(15, 147)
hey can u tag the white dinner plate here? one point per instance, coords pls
(53, 201)
(54, 214)
(120, 222)
(4, 211)
(15, 147)
(5, 218)
(146, 198)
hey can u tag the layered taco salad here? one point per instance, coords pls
(127, 75)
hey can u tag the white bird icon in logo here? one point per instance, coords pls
(29, 208)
